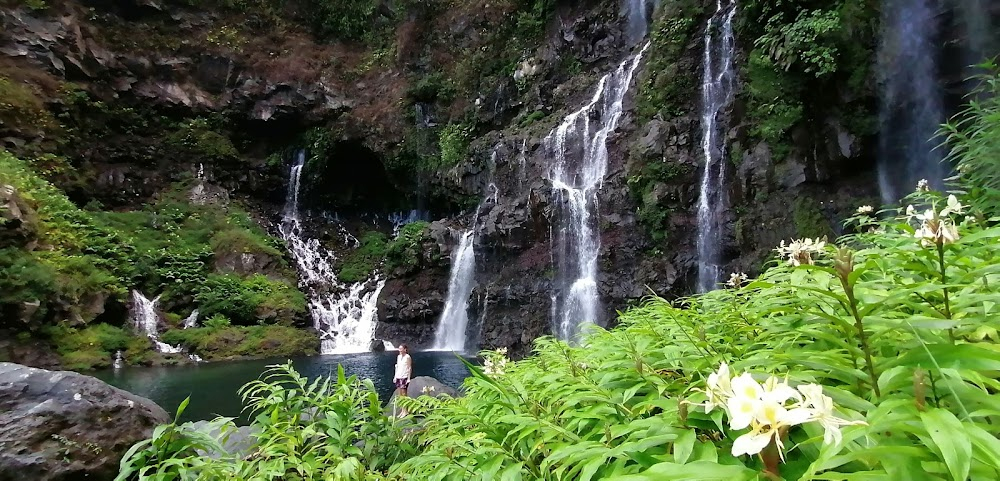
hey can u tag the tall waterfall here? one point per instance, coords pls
(345, 316)
(717, 89)
(912, 101)
(637, 13)
(579, 154)
(146, 321)
(454, 322)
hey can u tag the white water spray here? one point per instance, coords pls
(345, 316)
(716, 94)
(579, 152)
(146, 321)
(453, 325)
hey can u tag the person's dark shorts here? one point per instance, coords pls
(401, 383)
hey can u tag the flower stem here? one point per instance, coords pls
(944, 287)
(862, 337)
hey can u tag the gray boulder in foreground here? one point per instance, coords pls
(419, 386)
(62, 426)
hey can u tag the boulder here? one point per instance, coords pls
(58, 425)
(422, 385)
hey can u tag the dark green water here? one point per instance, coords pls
(213, 386)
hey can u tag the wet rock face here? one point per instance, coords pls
(60, 426)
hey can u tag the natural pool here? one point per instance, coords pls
(213, 386)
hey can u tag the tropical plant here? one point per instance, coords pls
(330, 428)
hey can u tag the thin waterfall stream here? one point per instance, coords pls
(344, 315)
(912, 100)
(717, 88)
(579, 154)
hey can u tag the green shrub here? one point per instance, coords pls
(251, 300)
(363, 261)
(330, 428)
(197, 140)
(454, 144)
(91, 347)
(405, 249)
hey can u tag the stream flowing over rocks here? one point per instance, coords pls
(62, 426)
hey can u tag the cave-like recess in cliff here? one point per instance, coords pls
(352, 179)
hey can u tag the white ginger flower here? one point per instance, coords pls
(737, 279)
(769, 419)
(427, 390)
(770, 409)
(865, 210)
(800, 251)
(953, 207)
(719, 388)
(923, 185)
(746, 399)
(822, 412)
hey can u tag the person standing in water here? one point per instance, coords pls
(404, 369)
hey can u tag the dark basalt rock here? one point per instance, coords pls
(59, 426)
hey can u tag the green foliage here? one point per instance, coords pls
(430, 88)
(808, 57)
(651, 190)
(36, 5)
(405, 250)
(197, 140)
(775, 104)
(807, 41)
(809, 219)
(454, 144)
(219, 341)
(92, 347)
(250, 300)
(20, 108)
(532, 118)
(342, 19)
(973, 136)
(331, 428)
(362, 262)
(665, 87)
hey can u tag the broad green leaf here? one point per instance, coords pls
(951, 441)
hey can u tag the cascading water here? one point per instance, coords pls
(579, 153)
(454, 322)
(637, 13)
(345, 316)
(717, 89)
(192, 320)
(146, 320)
(912, 101)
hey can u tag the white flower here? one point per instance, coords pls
(923, 185)
(427, 390)
(744, 402)
(719, 388)
(769, 419)
(780, 392)
(737, 279)
(953, 207)
(822, 412)
(865, 209)
(131, 403)
(800, 251)
(77, 397)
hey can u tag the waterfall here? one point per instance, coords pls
(192, 320)
(454, 322)
(119, 361)
(912, 101)
(637, 14)
(146, 321)
(345, 316)
(579, 155)
(717, 89)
